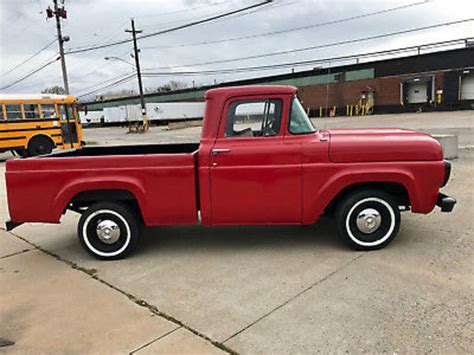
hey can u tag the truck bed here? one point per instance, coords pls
(161, 177)
(93, 151)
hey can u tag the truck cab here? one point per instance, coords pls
(251, 155)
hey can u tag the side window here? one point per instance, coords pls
(13, 112)
(48, 111)
(2, 117)
(254, 118)
(31, 111)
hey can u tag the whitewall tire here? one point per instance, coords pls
(368, 219)
(108, 230)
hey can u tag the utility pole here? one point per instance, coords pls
(134, 32)
(59, 13)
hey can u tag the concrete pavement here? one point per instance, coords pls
(296, 289)
(48, 307)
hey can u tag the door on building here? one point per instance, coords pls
(417, 92)
(467, 87)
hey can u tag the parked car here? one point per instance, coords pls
(260, 161)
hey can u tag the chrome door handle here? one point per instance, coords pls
(221, 150)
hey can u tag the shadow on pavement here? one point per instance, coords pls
(320, 236)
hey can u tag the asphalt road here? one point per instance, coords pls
(285, 289)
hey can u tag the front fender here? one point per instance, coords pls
(321, 197)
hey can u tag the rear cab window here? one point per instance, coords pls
(254, 118)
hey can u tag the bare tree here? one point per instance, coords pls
(58, 90)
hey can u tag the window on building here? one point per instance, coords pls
(254, 118)
(31, 111)
(13, 112)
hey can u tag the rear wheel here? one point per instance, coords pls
(108, 230)
(40, 145)
(368, 219)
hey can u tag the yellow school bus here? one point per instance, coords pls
(33, 125)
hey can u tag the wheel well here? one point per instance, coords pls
(84, 199)
(397, 190)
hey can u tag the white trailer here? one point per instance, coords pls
(128, 113)
(170, 111)
(91, 118)
(165, 111)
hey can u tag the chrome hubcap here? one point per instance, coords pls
(368, 220)
(108, 231)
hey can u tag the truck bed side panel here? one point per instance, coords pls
(39, 190)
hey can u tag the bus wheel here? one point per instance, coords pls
(40, 145)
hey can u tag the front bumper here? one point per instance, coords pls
(445, 202)
(447, 172)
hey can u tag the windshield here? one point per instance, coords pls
(299, 121)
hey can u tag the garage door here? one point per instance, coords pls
(467, 87)
(417, 93)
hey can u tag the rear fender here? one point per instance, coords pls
(65, 195)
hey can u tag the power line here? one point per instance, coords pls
(115, 83)
(30, 74)
(29, 58)
(334, 44)
(321, 24)
(183, 10)
(110, 35)
(177, 28)
(107, 81)
(308, 62)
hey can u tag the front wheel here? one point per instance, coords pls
(108, 230)
(368, 219)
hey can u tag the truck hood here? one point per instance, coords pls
(382, 144)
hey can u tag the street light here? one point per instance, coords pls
(120, 59)
(140, 85)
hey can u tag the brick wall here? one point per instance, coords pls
(387, 92)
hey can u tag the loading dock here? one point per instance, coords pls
(467, 85)
(418, 90)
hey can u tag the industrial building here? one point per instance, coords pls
(442, 80)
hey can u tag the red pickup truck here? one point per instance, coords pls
(260, 161)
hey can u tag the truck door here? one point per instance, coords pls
(255, 174)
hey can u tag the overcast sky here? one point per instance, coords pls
(25, 30)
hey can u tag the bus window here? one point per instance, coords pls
(13, 112)
(48, 111)
(31, 111)
(62, 112)
(2, 117)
